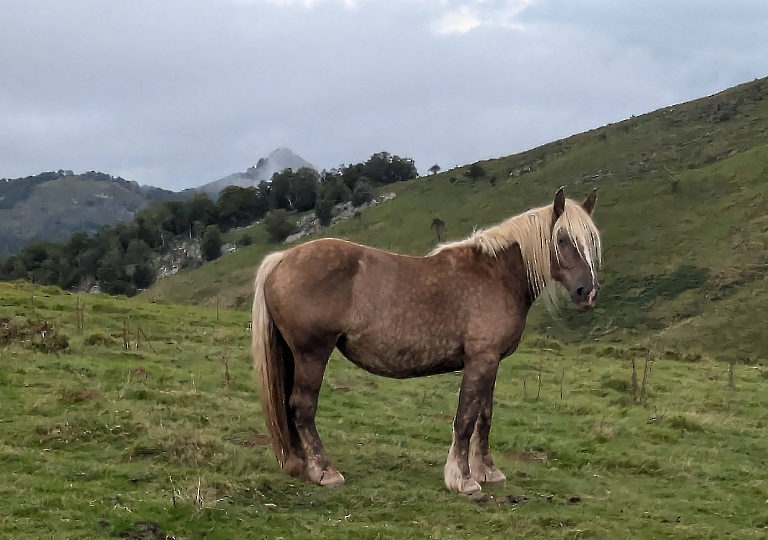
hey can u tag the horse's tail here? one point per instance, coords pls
(269, 362)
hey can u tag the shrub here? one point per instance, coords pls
(279, 227)
(211, 243)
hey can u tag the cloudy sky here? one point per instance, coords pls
(177, 93)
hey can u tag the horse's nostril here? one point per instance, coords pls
(580, 291)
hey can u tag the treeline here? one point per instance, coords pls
(120, 259)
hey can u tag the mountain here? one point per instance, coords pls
(53, 205)
(682, 206)
(279, 160)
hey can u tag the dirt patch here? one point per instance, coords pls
(139, 373)
(486, 498)
(528, 457)
(145, 530)
(98, 339)
(78, 396)
(257, 439)
(341, 386)
(35, 335)
(190, 449)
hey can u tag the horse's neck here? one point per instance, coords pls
(514, 275)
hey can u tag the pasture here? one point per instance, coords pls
(166, 439)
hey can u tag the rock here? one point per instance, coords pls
(341, 212)
(179, 254)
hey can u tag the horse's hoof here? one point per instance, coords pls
(483, 472)
(490, 476)
(455, 481)
(331, 478)
(461, 484)
(468, 486)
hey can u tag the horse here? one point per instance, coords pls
(463, 306)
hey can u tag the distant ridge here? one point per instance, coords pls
(55, 204)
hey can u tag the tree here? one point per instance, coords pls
(201, 208)
(278, 225)
(475, 171)
(323, 210)
(295, 191)
(334, 188)
(241, 206)
(142, 276)
(138, 252)
(439, 226)
(156, 219)
(362, 194)
(112, 276)
(375, 169)
(210, 246)
(125, 233)
(434, 169)
(148, 232)
(402, 169)
(352, 174)
(197, 230)
(304, 187)
(77, 244)
(34, 255)
(12, 269)
(173, 218)
(384, 168)
(280, 190)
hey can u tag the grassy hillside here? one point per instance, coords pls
(683, 206)
(100, 441)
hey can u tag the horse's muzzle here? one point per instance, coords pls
(585, 298)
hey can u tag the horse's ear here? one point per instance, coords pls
(559, 203)
(589, 203)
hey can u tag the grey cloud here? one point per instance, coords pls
(179, 93)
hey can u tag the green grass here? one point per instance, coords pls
(96, 439)
(682, 205)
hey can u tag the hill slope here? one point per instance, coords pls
(683, 207)
(54, 205)
(165, 439)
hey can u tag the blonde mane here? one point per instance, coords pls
(531, 231)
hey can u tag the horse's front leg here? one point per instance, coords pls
(476, 385)
(480, 461)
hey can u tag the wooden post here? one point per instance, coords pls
(126, 336)
(80, 314)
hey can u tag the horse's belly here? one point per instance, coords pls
(403, 359)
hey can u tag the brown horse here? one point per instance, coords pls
(463, 306)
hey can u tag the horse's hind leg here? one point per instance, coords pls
(307, 380)
(477, 383)
(480, 461)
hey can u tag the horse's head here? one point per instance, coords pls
(575, 249)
